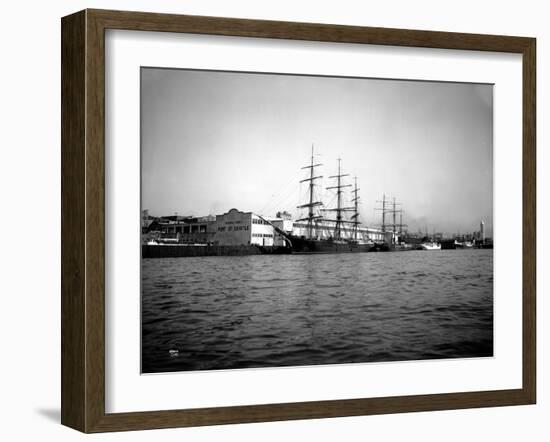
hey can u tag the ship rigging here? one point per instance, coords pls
(339, 210)
(311, 217)
(331, 220)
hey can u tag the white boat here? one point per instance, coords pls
(430, 245)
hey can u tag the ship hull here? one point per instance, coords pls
(304, 245)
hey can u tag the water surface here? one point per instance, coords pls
(210, 313)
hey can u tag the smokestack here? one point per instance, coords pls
(482, 231)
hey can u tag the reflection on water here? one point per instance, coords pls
(267, 311)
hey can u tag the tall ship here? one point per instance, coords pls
(393, 232)
(328, 230)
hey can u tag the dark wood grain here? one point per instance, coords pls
(95, 221)
(73, 213)
(144, 21)
(529, 220)
(83, 220)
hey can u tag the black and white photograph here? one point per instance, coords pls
(256, 222)
(299, 220)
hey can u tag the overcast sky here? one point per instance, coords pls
(212, 141)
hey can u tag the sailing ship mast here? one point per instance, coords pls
(355, 216)
(311, 204)
(384, 211)
(339, 209)
(394, 211)
(401, 225)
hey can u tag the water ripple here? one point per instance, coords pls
(261, 311)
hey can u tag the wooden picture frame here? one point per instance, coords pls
(83, 220)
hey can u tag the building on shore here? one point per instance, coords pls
(182, 229)
(242, 228)
(245, 228)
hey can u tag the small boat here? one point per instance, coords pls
(464, 245)
(430, 245)
(400, 247)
